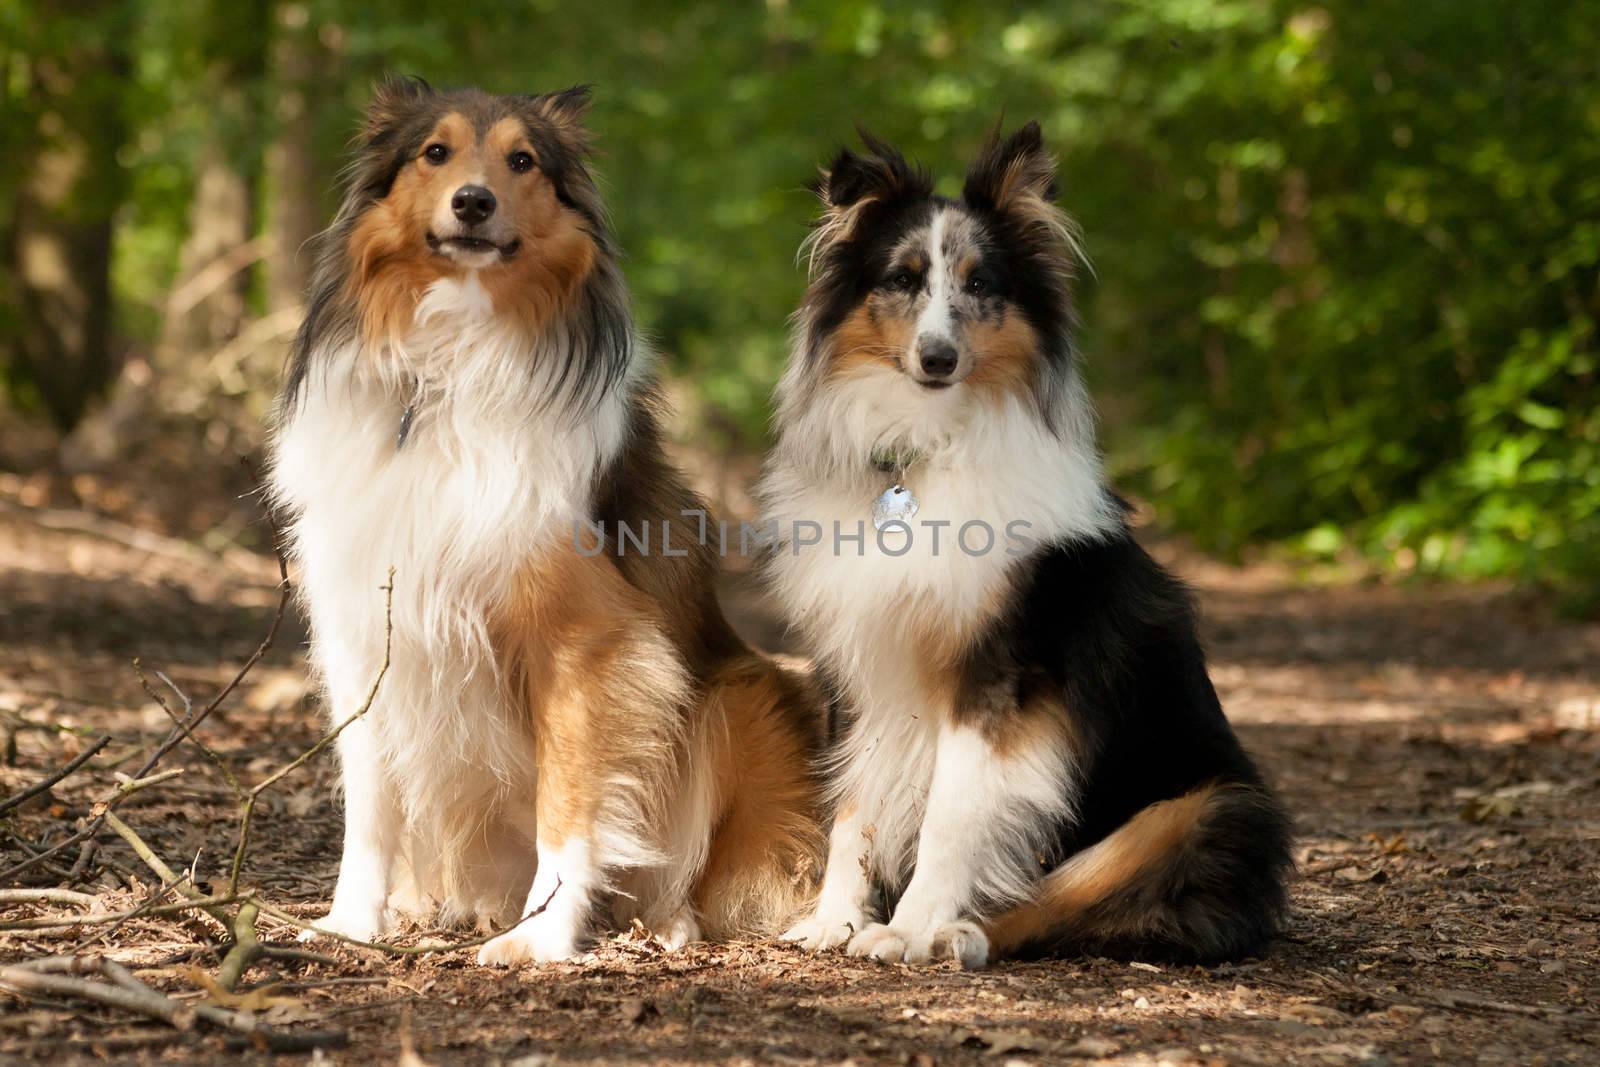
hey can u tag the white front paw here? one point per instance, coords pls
(880, 942)
(959, 941)
(539, 940)
(676, 930)
(358, 924)
(821, 932)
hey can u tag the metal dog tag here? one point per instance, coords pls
(895, 504)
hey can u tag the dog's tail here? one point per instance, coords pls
(1197, 878)
(767, 841)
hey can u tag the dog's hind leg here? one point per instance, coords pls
(1197, 878)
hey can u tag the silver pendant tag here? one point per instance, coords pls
(895, 504)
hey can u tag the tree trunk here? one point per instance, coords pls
(58, 248)
(302, 73)
(208, 304)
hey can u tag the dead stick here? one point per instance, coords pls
(123, 990)
(285, 590)
(44, 784)
(407, 950)
(99, 810)
(66, 922)
(180, 723)
(165, 873)
(47, 896)
(97, 934)
(151, 1004)
(246, 947)
(176, 735)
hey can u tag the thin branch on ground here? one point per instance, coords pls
(99, 813)
(44, 784)
(285, 591)
(165, 873)
(64, 922)
(180, 722)
(47, 896)
(153, 900)
(246, 948)
(184, 729)
(407, 950)
(58, 975)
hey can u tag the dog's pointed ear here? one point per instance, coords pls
(881, 174)
(568, 107)
(392, 99)
(1010, 173)
(853, 184)
(562, 113)
(1017, 178)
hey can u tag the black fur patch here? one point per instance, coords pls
(1102, 628)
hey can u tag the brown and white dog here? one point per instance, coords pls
(468, 402)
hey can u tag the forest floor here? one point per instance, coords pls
(1438, 746)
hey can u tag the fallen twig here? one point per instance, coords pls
(44, 784)
(165, 873)
(80, 866)
(63, 922)
(123, 918)
(407, 950)
(180, 723)
(246, 947)
(58, 975)
(99, 811)
(47, 896)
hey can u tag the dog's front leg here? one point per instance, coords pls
(987, 809)
(843, 903)
(372, 824)
(556, 918)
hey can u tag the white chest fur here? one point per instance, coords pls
(992, 483)
(492, 472)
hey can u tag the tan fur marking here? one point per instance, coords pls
(394, 265)
(1007, 355)
(766, 852)
(1043, 724)
(1097, 872)
(557, 252)
(865, 339)
(580, 645)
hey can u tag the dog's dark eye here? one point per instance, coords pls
(977, 284)
(520, 162)
(436, 153)
(904, 281)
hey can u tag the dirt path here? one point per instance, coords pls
(1439, 748)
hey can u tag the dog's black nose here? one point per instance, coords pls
(472, 204)
(939, 357)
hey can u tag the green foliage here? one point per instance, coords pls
(1347, 254)
(1363, 312)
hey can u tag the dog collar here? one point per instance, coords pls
(895, 461)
